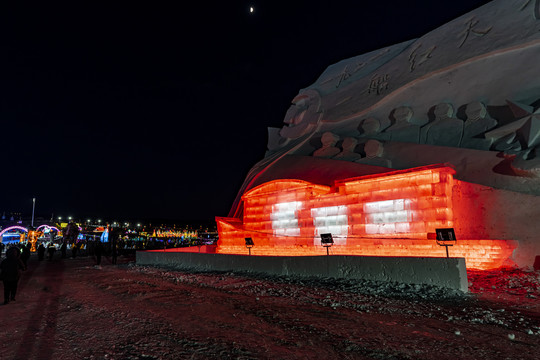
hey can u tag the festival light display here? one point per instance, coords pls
(32, 234)
(184, 234)
(390, 214)
(48, 227)
(13, 228)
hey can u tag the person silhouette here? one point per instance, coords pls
(328, 148)
(445, 130)
(477, 124)
(348, 154)
(98, 251)
(10, 269)
(41, 251)
(402, 130)
(63, 248)
(374, 150)
(51, 249)
(372, 128)
(25, 254)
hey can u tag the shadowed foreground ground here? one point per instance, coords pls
(69, 309)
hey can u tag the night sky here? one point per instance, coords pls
(149, 110)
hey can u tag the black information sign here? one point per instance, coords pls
(446, 234)
(326, 239)
(446, 237)
(249, 242)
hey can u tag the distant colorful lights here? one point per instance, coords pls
(26, 230)
(47, 226)
(13, 228)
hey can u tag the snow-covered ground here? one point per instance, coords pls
(70, 309)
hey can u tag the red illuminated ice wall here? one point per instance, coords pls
(391, 214)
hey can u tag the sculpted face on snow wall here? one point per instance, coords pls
(303, 115)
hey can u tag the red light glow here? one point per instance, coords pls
(376, 215)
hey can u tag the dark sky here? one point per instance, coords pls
(158, 110)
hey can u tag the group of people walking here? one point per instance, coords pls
(50, 249)
(16, 260)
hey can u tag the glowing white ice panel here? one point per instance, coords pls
(333, 220)
(284, 218)
(382, 216)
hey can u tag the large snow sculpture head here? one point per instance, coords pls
(303, 115)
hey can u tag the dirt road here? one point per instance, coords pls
(70, 309)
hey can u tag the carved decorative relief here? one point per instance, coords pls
(348, 71)
(303, 115)
(328, 149)
(419, 56)
(348, 153)
(374, 150)
(477, 124)
(378, 84)
(401, 129)
(535, 7)
(372, 128)
(521, 134)
(275, 141)
(445, 130)
(471, 28)
(527, 163)
(345, 74)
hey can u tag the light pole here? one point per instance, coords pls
(33, 208)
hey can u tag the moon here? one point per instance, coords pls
(251, 9)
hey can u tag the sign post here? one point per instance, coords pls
(249, 244)
(327, 241)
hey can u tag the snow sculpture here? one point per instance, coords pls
(402, 129)
(374, 150)
(475, 127)
(348, 153)
(275, 142)
(528, 163)
(444, 130)
(521, 134)
(372, 128)
(328, 148)
(303, 115)
(482, 71)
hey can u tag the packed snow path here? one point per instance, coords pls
(70, 309)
